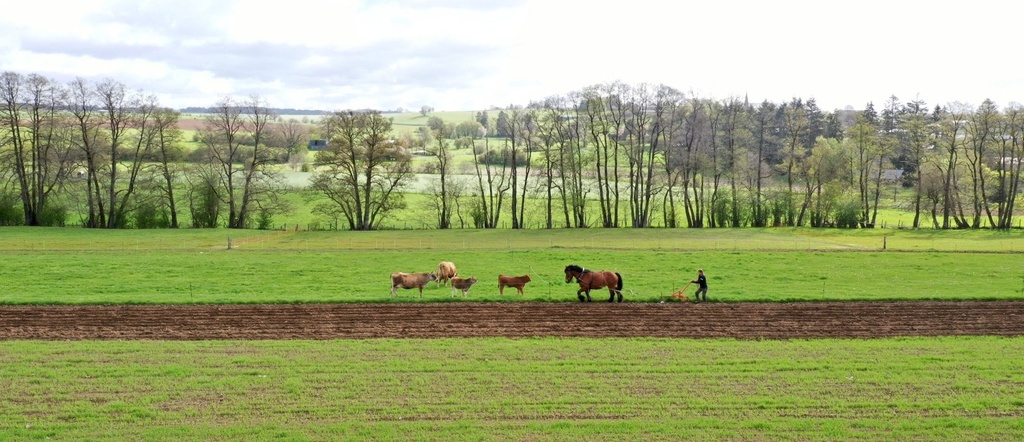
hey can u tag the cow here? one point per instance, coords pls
(463, 284)
(512, 281)
(445, 272)
(410, 280)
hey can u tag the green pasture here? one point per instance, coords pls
(963, 388)
(411, 121)
(85, 266)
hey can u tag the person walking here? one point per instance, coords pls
(702, 286)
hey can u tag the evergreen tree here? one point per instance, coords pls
(502, 129)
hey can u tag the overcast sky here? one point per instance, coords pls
(469, 55)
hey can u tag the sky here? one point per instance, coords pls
(476, 54)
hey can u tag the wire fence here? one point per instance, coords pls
(667, 240)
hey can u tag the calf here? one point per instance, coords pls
(445, 272)
(512, 281)
(463, 284)
(410, 280)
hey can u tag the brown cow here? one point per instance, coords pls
(512, 281)
(463, 284)
(445, 272)
(410, 280)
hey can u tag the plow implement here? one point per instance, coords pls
(681, 293)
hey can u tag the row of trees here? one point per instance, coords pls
(651, 151)
(115, 156)
(608, 155)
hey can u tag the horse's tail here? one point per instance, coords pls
(618, 286)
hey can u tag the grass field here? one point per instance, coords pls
(195, 266)
(951, 388)
(527, 389)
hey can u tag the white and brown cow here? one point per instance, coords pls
(410, 280)
(463, 284)
(445, 272)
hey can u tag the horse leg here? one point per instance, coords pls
(620, 295)
(579, 294)
(611, 293)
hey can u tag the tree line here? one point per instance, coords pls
(651, 155)
(114, 156)
(609, 155)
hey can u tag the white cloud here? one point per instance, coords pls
(468, 55)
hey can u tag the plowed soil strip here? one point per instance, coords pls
(522, 319)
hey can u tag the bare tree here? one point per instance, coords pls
(732, 120)
(168, 154)
(605, 121)
(261, 185)
(673, 132)
(222, 135)
(40, 154)
(981, 126)
(442, 194)
(574, 158)
(83, 106)
(235, 136)
(548, 125)
(365, 169)
(796, 127)
(951, 140)
(292, 135)
(517, 125)
(764, 143)
(128, 122)
(866, 149)
(492, 184)
(692, 156)
(116, 107)
(1009, 164)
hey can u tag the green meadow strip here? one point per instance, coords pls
(964, 388)
(281, 276)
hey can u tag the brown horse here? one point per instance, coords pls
(589, 279)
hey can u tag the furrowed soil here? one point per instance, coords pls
(514, 319)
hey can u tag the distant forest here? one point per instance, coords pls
(608, 155)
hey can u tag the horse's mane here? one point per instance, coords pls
(575, 268)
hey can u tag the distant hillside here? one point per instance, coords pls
(277, 110)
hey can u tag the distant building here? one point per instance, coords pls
(317, 145)
(892, 175)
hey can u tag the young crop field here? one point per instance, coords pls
(964, 388)
(293, 335)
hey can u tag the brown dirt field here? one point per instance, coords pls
(196, 124)
(190, 124)
(514, 319)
